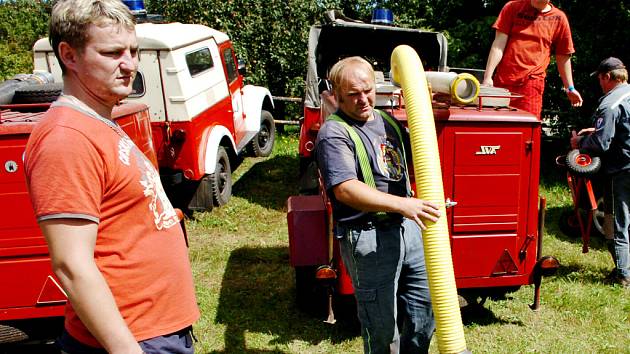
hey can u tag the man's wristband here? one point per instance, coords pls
(570, 89)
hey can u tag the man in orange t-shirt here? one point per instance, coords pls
(114, 239)
(526, 31)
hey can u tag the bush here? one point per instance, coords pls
(22, 22)
(272, 37)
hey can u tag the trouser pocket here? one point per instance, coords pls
(367, 306)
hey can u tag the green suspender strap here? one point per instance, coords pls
(364, 161)
(391, 122)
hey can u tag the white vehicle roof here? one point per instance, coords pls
(174, 35)
(162, 36)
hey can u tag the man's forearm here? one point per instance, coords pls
(495, 55)
(565, 70)
(360, 196)
(71, 245)
(94, 303)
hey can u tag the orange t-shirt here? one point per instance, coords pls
(532, 36)
(80, 165)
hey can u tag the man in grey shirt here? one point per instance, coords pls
(377, 223)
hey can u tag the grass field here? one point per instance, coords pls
(245, 286)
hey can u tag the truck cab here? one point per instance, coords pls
(203, 117)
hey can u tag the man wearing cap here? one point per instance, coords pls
(610, 139)
(526, 32)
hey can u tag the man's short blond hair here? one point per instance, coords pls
(619, 75)
(339, 71)
(70, 20)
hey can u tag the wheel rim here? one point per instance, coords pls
(223, 177)
(583, 160)
(263, 136)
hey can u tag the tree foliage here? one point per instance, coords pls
(271, 36)
(22, 22)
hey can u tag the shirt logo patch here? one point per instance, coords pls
(164, 215)
(391, 162)
(124, 150)
(599, 122)
(161, 209)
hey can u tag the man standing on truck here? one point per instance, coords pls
(610, 138)
(526, 31)
(115, 241)
(361, 155)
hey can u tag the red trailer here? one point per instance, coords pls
(29, 288)
(490, 155)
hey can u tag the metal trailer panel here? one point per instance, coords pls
(29, 288)
(306, 218)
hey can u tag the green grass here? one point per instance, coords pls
(245, 284)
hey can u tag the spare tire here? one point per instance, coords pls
(7, 90)
(582, 164)
(42, 93)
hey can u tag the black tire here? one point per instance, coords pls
(9, 334)
(308, 182)
(262, 144)
(582, 164)
(470, 300)
(30, 335)
(221, 179)
(310, 298)
(7, 90)
(202, 199)
(598, 218)
(43, 93)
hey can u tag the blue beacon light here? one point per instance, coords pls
(136, 7)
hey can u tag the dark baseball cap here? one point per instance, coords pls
(607, 65)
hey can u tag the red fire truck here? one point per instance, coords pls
(489, 157)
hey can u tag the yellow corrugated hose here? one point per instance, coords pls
(408, 71)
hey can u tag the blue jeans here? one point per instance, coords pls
(617, 194)
(386, 265)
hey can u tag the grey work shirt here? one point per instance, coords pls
(611, 139)
(338, 162)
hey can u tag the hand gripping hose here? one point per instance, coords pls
(407, 70)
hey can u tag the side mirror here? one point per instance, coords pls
(241, 67)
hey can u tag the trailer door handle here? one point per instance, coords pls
(450, 203)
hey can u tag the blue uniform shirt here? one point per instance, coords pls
(611, 139)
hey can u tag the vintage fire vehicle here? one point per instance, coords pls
(29, 288)
(204, 119)
(489, 157)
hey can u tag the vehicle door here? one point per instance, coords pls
(147, 85)
(235, 83)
